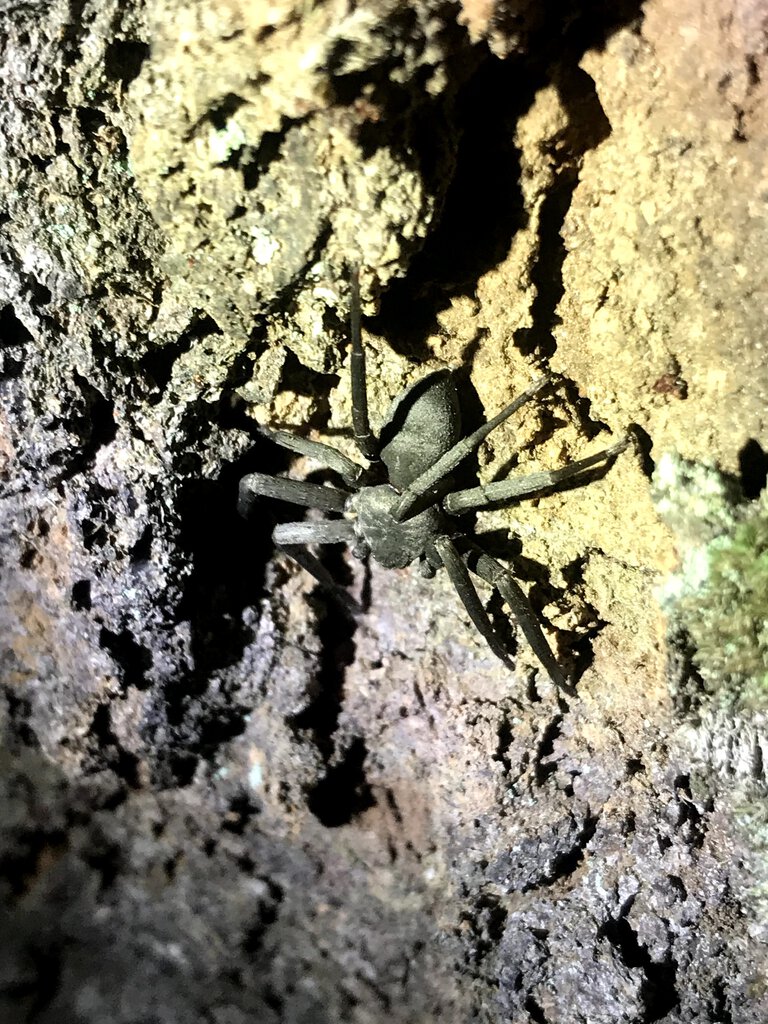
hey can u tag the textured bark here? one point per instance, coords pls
(220, 799)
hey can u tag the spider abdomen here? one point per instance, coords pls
(394, 545)
(423, 424)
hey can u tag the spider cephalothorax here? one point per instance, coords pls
(401, 508)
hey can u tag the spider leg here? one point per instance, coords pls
(322, 531)
(311, 564)
(474, 498)
(494, 573)
(325, 454)
(296, 491)
(448, 462)
(365, 440)
(465, 588)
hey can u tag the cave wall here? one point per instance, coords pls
(222, 800)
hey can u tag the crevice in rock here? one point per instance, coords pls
(643, 446)
(80, 596)
(488, 921)
(336, 633)
(343, 793)
(19, 714)
(133, 659)
(228, 557)
(124, 58)
(14, 338)
(534, 1010)
(678, 886)
(47, 982)
(721, 1011)
(37, 529)
(581, 647)
(105, 859)
(633, 766)
(301, 380)
(565, 863)
(33, 850)
(98, 527)
(253, 940)
(544, 750)
(141, 552)
(689, 815)
(255, 161)
(587, 127)
(629, 824)
(92, 418)
(157, 364)
(106, 749)
(481, 211)
(241, 810)
(504, 736)
(658, 989)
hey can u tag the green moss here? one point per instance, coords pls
(719, 596)
(728, 619)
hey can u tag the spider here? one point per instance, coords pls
(401, 509)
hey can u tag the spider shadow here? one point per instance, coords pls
(509, 551)
(483, 206)
(551, 423)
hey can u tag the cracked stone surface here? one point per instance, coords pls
(221, 799)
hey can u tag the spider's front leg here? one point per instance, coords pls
(364, 438)
(297, 492)
(324, 454)
(500, 491)
(293, 537)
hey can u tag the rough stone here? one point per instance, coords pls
(222, 800)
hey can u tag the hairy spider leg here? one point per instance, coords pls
(307, 561)
(321, 531)
(298, 492)
(448, 462)
(474, 498)
(493, 572)
(325, 454)
(365, 440)
(465, 588)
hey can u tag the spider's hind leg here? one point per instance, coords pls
(440, 470)
(493, 572)
(465, 588)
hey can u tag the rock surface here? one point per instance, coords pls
(223, 801)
